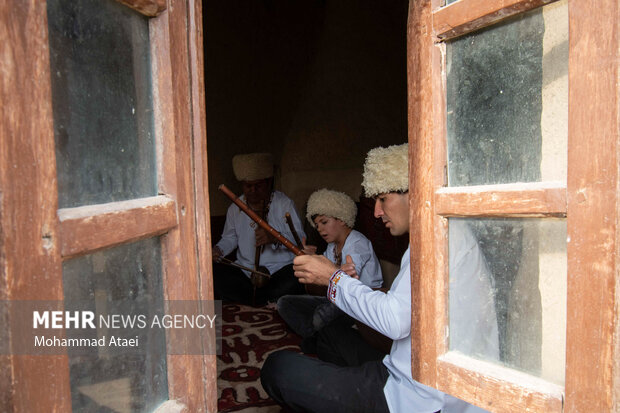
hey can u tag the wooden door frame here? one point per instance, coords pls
(35, 236)
(590, 201)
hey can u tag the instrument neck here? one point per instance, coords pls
(262, 213)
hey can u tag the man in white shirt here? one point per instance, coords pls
(256, 248)
(307, 384)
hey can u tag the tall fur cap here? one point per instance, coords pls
(386, 170)
(332, 203)
(252, 166)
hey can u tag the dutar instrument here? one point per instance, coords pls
(289, 221)
(263, 224)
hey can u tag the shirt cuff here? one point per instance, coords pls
(333, 282)
(222, 249)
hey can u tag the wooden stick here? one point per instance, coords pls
(288, 244)
(289, 221)
(226, 261)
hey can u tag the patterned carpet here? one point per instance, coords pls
(249, 335)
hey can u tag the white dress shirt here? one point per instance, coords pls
(239, 233)
(390, 314)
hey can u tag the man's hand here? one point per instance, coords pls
(349, 268)
(216, 254)
(313, 269)
(308, 249)
(263, 237)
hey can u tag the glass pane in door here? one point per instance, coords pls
(507, 100)
(507, 292)
(125, 281)
(102, 102)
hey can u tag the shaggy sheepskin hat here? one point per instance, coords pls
(252, 166)
(332, 203)
(386, 170)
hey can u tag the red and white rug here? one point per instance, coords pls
(249, 335)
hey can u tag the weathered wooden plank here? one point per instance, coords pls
(179, 248)
(538, 199)
(592, 359)
(440, 224)
(421, 183)
(30, 266)
(203, 224)
(94, 227)
(465, 16)
(150, 8)
(473, 380)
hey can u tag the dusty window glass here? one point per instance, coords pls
(507, 293)
(125, 280)
(102, 103)
(507, 100)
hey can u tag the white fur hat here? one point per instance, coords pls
(386, 170)
(253, 166)
(333, 204)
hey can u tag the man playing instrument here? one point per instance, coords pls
(305, 383)
(256, 248)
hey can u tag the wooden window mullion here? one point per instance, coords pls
(173, 109)
(465, 16)
(592, 369)
(203, 224)
(426, 328)
(540, 199)
(505, 389)
(149, 8)
(91, 228)
(30, 265)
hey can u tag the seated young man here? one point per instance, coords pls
(304, 383)
(332, 213)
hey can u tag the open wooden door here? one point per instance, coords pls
(513, 132)
(103, 190)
